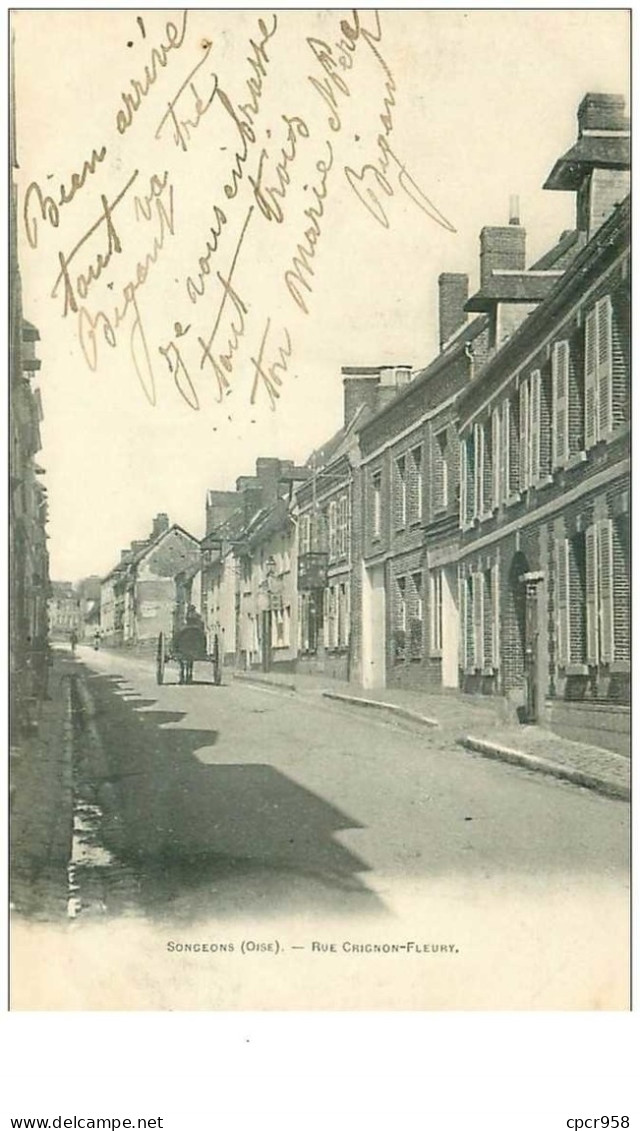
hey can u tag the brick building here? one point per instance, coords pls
(249, 595)
(329, 531)
(139, 596)
(408, 507)
(544, 430)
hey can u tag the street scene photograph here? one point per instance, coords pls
(319, 509)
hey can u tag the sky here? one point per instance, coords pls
(272, 196)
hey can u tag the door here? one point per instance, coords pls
(374, 644)
(450, 627)
(266, 641)
(530, 583)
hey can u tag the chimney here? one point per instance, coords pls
(136, 547)
(501, 249)
(125, 557)
(268, 474)
(597, 167)
(453, 294)
(602, 112)
(160, 525)
(360, 385)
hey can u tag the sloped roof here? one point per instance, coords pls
(517, 287)
(589, 151)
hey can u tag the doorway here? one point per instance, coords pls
(374, 644)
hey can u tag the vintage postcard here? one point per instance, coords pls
(319, 509)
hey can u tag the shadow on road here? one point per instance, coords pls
(188, 840)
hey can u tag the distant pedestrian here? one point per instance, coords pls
(96, 640)
(74, 639)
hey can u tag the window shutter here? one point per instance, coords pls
(560, 408)
(605, 583)
(495, 608)
(524, 436)
(480, 469)
(477, 589)
(464, 613)
(333, 519)
(506, 456)
(590, 386)
(534, 428)
(496, 451)
(562, 602)
(591, 545)
(463, 483)
(605, 368)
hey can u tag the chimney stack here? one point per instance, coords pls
(599, 112)
(453, 294)
(160, 525)
(360, 386)
(502, 249)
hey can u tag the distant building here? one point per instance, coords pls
(249, 595)
(139, 595)
(65, 615)
(329, 530)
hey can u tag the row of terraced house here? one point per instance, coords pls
(468, 526)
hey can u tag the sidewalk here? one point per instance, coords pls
(483, 726)
(41, 799)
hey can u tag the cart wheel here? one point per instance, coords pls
(160, 659)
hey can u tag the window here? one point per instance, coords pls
(416, 485)
(440, 472)
(400, 633)
(305, 533)
(333, 530)
(417, 616)
(523, 417)
(401, 492)
(343, 522)
(331, 616)
(598, 384)
(559, 404)
(535, 388)
(436, 611)
(402, 604)
(599, 586)
(478, 479)
(376, 484)
(467, 479)
(343, 614)
(497, 458)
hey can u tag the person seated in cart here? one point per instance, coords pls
(188, 647)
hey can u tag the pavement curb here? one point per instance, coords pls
(393, 708)
(532, 762)
(248, 677)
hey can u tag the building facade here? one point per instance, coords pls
(544, 431)
(140, 595)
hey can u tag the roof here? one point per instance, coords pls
(562, 253)
(454, 348)
(512, 287)
(597, 251)
(153, 542)
(605, 152)
(230, 529)
(338, 444)
(268, 520)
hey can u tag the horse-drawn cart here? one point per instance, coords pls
(187, 646)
